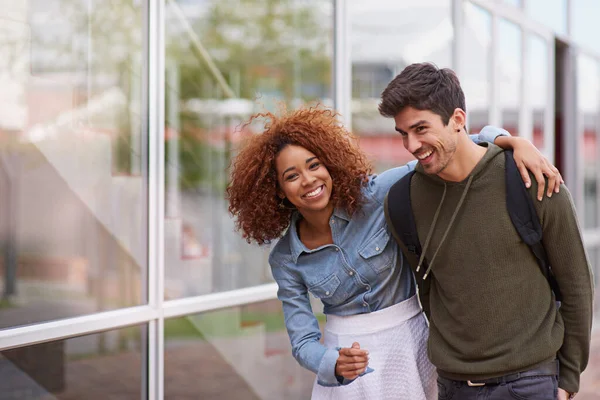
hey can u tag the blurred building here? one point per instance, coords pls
(121, 274)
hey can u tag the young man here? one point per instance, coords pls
(496, 331)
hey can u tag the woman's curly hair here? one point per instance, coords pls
(252, 191)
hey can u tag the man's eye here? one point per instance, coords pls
(420, 129)
(403, 134)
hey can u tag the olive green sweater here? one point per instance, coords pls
(491, 310)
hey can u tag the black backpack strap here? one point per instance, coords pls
(401, 221)
(399, 212)
(525, 220)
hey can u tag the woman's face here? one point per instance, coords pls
(303, 179)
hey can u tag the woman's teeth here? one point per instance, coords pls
(314, 192)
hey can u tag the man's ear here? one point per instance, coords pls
(458, 119)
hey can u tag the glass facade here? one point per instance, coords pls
(238, 351)
(536, 86)
(223, 64)
(107, 365)
(588, 93)
(73, 221)
(509, 64)
(477, 65)
(551, 13)
(121, 275)
(385, 39)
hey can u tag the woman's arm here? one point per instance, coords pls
(528, 157)
(303, 330)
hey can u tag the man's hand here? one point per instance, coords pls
(528, 157)
(562, 394)
(352, 361)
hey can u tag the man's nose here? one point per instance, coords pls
(411, 143)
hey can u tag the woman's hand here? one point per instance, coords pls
(352, 361)
(528, 157)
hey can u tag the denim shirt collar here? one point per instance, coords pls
(296, 245)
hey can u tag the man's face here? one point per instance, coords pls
(426, 137)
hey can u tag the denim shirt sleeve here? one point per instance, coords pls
(379, 185)
(488, 134)
(303, 328)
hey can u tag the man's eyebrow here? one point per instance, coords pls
(421, 122)
(413, 126)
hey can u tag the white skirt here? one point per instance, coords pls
(396, 338)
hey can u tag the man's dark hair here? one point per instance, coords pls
(425, 87)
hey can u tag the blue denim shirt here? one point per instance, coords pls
(362, 271)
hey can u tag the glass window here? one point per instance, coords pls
(588, 104)
(584, 23)
(238, 353)
(386, 37)
(515, 3)
(476, 76)
(73, 221)
(107, 365)
(552, 13)
(227, 60)
(509, 80)
(536, 85)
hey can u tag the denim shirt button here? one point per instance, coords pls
(365, 305)
(327, 293)
(368, 287)
(337, 249)
(376, 248)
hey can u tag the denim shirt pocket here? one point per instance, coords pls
(326, 288)
(376, 251)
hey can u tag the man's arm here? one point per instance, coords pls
(563, 242)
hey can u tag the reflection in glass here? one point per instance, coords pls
(237, 353)
(102, 366)
(386, 37)
(73, 219)
(536, 84)
(584, 23)
(552, 13)
(588, 103)
(515, 3)
(227, 60)
(476, 76)
(509, 81)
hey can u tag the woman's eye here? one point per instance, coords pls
(314, 165)
(291, 177)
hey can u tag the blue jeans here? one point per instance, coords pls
(526, 388)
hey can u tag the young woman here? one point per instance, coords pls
(305, 182)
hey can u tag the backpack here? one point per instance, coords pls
(520, 208)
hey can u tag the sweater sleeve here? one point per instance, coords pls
(563, 242)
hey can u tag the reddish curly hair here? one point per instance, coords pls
(252, 191)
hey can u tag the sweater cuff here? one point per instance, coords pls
(326, 372)
(568, 380)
